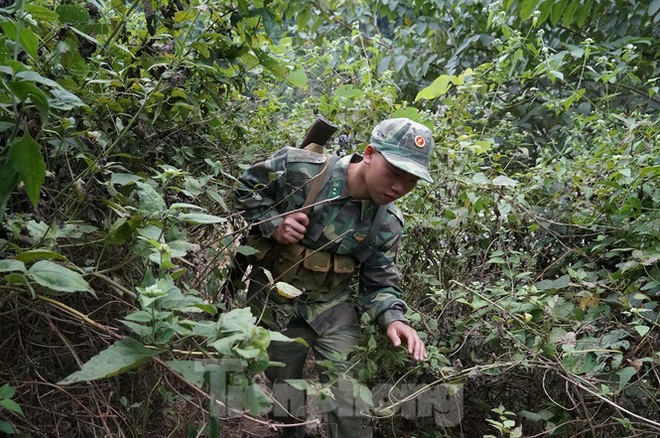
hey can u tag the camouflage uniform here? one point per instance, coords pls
(324, 315)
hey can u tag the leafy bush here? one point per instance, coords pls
(531, 264)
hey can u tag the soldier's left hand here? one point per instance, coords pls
(398, 331)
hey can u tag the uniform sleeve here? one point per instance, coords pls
(259, 189)
(380, 295)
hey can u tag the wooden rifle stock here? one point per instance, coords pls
(320, 132)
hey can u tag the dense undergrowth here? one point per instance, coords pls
(530, 264)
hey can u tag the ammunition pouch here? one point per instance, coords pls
(320, 274)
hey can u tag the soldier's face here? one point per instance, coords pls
(385, 182)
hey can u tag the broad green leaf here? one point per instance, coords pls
(150, 200)
(560, 283)
(39, 254)
(363, 392)
(298, 78)
(281, 337)
(303, 17)
(246, 250)
(270, 63)
(584, 11)
(25, 91)
(185, 15)
(248, 352)
(65, 100)
(57, 277)
(225, 345)
(237, 320)
(256, 399)
(138, 329)
(6, 126)
(625, 375)
(299, 384)
(124, 178)
(400, 61)
(504, 181)
(7, 428)
(482, 146)
(25, 157)
(557, 11)
(15, 278)
(439, 87)
(527, 8)
(554, 74)
(192, 371)
(569, 13)
(140, 316)
(152, 233)
(410, 113)
(120, 231)
(287, 290)
(9, 265)
(348, 91)
(506, 4)
(654, 6)
(537, 416)
(27, 39)
(546, 9)
(12, 406)
(72, 14)
(642, 329)
(41, 13)
(7, 391)
(207, 308)
(615, 340)
(118, 358)
(201, 218)
(480, 178)
(33, 76)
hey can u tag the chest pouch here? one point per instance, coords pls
(286, 262)
(320, 274)
(325, 274)
(261, 245)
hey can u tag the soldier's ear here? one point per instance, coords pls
(369, 152)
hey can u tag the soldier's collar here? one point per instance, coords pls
(338, 186)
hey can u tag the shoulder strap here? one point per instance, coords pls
(320, 180)
(362, 251)
(375, 225)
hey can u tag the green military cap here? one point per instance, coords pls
(405, 144)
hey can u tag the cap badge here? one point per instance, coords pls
(420, 141)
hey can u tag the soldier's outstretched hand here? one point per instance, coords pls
(292, 229)
(398, 331)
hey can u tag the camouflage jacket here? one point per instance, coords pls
(281, 183)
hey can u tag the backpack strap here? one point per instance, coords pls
(320, 180)
(375, 225)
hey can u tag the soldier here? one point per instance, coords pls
(350, 228)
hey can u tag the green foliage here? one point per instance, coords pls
(118, 358)
(531, 263)
(7, 392)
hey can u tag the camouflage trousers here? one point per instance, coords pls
(332, 331)
(342, 415)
